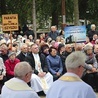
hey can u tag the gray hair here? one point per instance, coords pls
(88, 47)
(75, 59)
(21, 69)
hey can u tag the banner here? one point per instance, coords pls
(75, 34)
(10, 22)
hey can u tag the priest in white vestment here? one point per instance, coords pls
(41, 80)
(70, 85)
(17, 87)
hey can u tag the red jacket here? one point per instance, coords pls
(10, 65)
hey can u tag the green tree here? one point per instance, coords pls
(76, 13)
(3, 6)
(93, 10)
(44, 9)
(83, 8)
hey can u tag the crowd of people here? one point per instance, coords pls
(50, 58)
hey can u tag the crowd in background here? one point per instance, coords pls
(47, 56)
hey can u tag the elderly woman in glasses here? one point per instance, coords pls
(91, 77)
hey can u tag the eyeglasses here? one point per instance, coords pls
(25, 47)
(36, 48)
(30, 72)
(69, 47)
(81, 66)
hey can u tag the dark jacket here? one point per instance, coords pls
(31, 61)
(53, 35)
(63, 57)
(91, 33)
(4, 56)
(54, 64)
(21, 56)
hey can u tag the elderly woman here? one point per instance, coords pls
(10, 64)
(2, 68)
(91, 77)
(54, 63)
(2, 73)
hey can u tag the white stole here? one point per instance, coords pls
(15, 85)
(39, 69)
(37, 63)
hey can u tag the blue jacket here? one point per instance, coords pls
(54, 64)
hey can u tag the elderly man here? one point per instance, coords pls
(23, 53)
(17, 87)
(92, 32)
(53, 34)
(70, 85)
(4, 52)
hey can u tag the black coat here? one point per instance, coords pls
(91, 33)
(53, 35)
(21, 56)
(63, 58)
(31, 61)
(4, 57)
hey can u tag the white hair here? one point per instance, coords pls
(53, 27)
(30, 36)
(93, 26)
(75, 59)
(23, 45)
(21, 69)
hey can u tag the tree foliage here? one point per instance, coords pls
(93, 10)
(21, 7)
(88, 10)
(47, 10)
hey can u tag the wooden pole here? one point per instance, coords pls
(63, 12)
(11, 39)
(34, 19)
(63, 15)
(76, 13)
(75, 43)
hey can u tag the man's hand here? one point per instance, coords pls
(1, 77)
(41, 74)
(94, 70)
(58, 74)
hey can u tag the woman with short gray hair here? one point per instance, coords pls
(91, 77)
